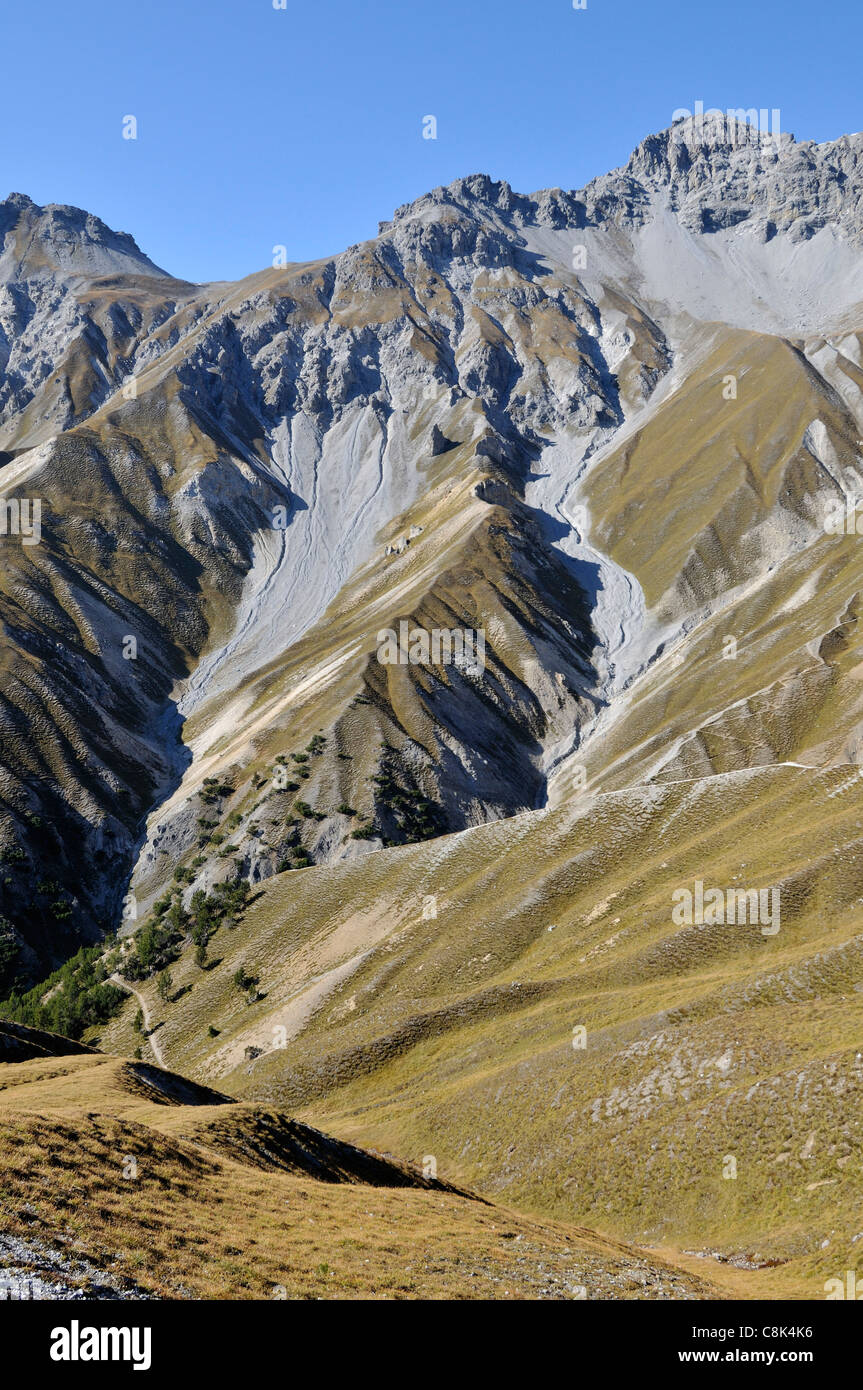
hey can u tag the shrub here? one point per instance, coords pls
(214, 790)
(156, 945)
(366, 832)
(243, 980)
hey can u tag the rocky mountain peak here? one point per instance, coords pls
(713, 173)
(65, 242)
(716, 173)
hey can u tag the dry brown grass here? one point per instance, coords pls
(194, 1222)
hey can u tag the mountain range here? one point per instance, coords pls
(616, 431)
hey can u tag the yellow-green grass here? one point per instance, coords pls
(91, 1167)
(453, 1035)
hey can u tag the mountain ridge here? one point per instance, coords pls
(337, 384)
(214, 1199)
(433, 901)
(660, 159)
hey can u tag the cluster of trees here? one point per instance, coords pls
(156, 945)
(10, 955)
(74, 998)
(160, 940)
(79, 995)
(366, 832)
(247, 983)
(214, 790)
(416, 816)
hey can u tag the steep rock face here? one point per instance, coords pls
(715, 174)
(486, 417)
(100, 619)
(276, 398)
(491, 359)
(727, 172)
(77, 300)
(63, 242)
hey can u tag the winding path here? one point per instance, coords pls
(155, 1045)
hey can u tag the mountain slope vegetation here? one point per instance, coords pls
(435, 905)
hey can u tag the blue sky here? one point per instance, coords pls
(303, 126)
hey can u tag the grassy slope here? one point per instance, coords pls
(204, 1217)
(453, 1036)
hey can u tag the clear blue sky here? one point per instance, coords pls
(303, 126)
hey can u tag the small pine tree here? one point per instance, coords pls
(243, 980)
